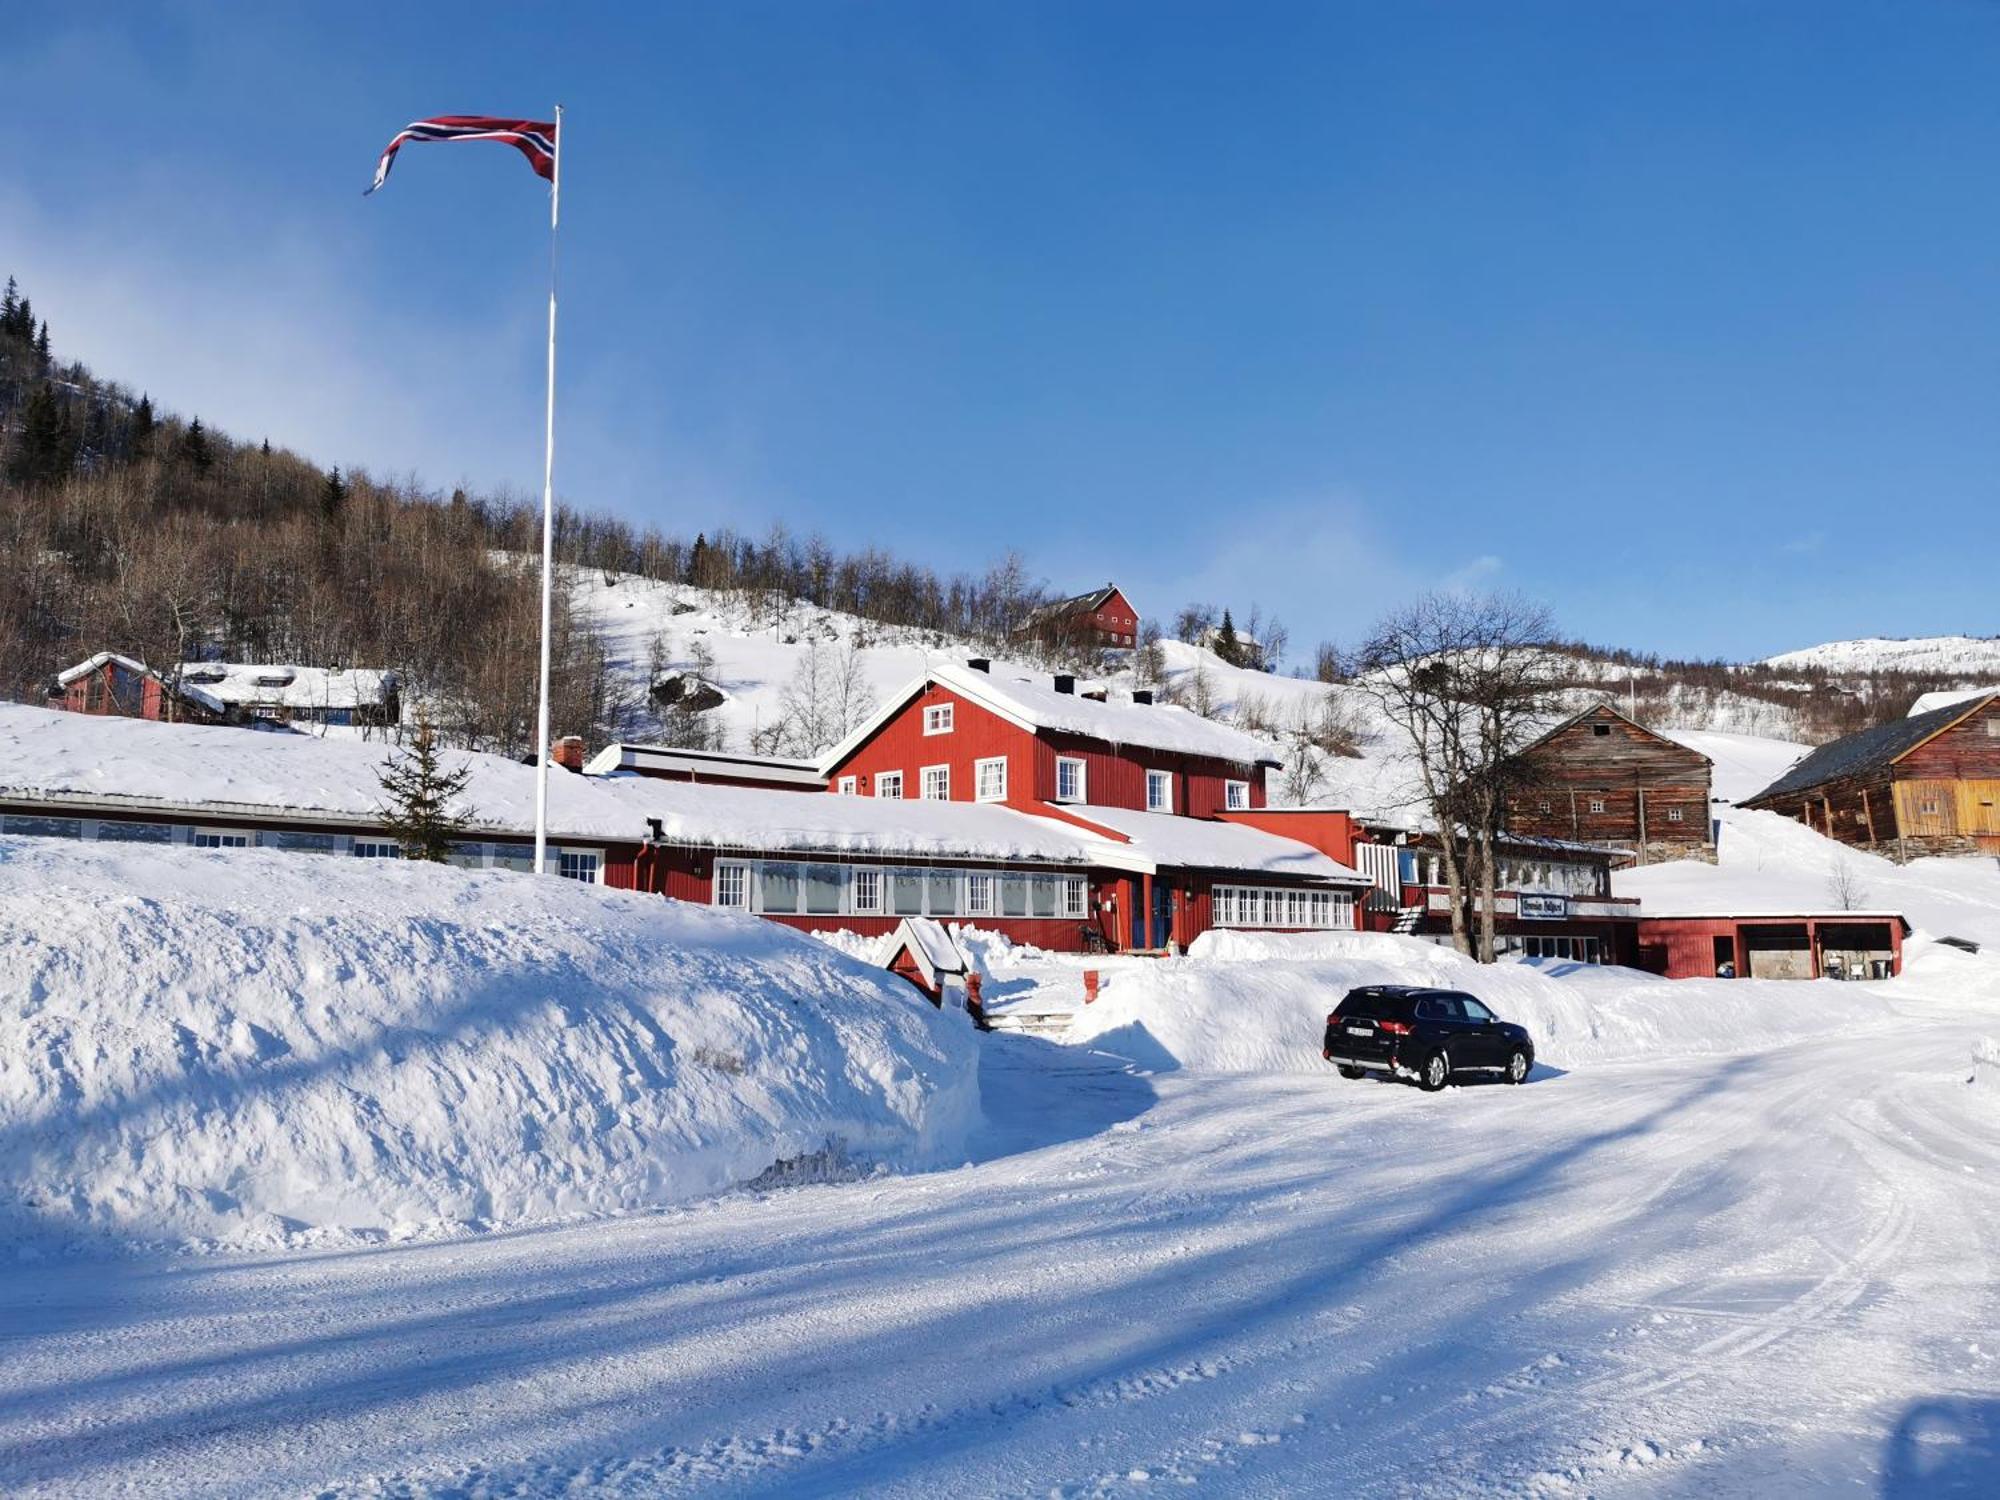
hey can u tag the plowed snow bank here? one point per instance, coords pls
(1247, 1002)
(262, 1048)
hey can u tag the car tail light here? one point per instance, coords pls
(1396, 1028)
(1332, 1016)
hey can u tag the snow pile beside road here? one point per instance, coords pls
(1247, 1002)
(259, 1049)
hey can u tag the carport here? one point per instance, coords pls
(1773, 945)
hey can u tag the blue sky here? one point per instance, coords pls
(1683, 317)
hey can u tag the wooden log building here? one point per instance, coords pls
(1602, 778)
(1928, 784)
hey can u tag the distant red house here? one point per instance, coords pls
(710, 767)
(1102, 617)
(116, 685)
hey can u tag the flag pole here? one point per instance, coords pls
(542, 746)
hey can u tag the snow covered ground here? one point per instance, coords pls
(260, 1048)
(1762, 1274)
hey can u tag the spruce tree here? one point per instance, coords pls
(194, 448)
(697, 557)
(23, 326)
(42, 347)
(43, 454)
(10, 306)
(332, 495)
(420, 793)
(1227, 646)
(142, 424)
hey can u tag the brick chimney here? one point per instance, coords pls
(567, 752)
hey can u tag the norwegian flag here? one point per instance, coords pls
(534, 139)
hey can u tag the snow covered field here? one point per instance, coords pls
(1765, 1274)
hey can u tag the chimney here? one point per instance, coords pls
(1142, 695)
(567, 752)
(655, 834)
(1065, 682)
(980, 663)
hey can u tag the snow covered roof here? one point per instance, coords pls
(239, 683)
(1870, 749)
(136, 765)
(1036, 705)
(751, 818)
(85, 668)
(697, 764)
(926, 941)
(1165, 839)
(1931, 702)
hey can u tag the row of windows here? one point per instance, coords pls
(572, 864)
(1565, 877)
(1596, 805)
(792, 888)
(1271, 906)
(990, 780)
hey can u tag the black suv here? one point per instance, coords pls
(1425, 1035)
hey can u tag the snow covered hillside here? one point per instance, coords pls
(1953, 654)
(263, 1048)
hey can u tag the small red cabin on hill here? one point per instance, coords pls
(1102, 617)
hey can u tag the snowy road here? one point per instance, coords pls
(1765, 1275)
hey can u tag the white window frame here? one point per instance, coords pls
(1168, 805)
(938, 718)
(889, 785)
(1281, 907)
(1081, 767)
(979, 893)
(1673, 815)
(864, 891)
(376, 849)
(943, 781)
(1076, 897)
(1235, 796)
(847, 786)
(222, 838)
(732, 873)
(1597, 804)
(980, 790)
(580, 859)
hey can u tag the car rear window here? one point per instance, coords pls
(1372, 1003)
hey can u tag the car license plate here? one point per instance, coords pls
(1361, 1031)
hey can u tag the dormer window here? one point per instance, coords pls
(937, 718)
(1160, 791)
(1236, 796)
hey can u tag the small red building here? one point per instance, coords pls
(118, 686)
(1102, 617)
(1778, 945)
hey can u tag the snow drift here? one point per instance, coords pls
(1250, 1002)
(255, 1048)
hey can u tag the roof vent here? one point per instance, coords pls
(1065, 683)
(1142, 696)
(980, 663)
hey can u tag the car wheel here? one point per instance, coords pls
(1518, 1065)
(1347, 1072)
(1435, 1073)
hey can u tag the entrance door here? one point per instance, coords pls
(1725, 958)
(1163, 913)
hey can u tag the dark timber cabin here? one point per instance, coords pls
(1601, 778)
(1928, 784)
